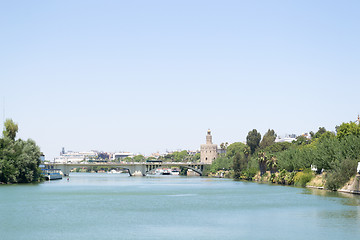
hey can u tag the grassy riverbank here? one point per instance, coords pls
(306, 178)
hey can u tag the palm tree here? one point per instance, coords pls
(271, 163)
(262, 162)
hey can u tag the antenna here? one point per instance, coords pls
(3, 113)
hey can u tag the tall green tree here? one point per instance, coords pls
(268, 139)
(346, 129)
(236, 147)
(237, 165)
(318, 134)
(221, 163)
(11, 129)
(253, 139)
(19, 160)
(262, 159)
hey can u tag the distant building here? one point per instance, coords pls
(288, 138)
(75, 157)
(193, 153)
(221, 151)
(122, 155)
(208, 151)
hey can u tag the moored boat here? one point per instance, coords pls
(51, 174)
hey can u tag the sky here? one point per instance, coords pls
(149, 76)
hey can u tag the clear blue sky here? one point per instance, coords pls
(146, 76)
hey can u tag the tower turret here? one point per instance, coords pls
(209, 137)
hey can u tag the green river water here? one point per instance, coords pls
(116, 206)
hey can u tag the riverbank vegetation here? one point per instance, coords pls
(19, 159)
(334, 156)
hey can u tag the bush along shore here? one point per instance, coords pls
(324, 159)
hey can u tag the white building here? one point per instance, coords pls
(122, 155)
(288, 138)
(75, 157)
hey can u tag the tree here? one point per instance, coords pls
(268, 139)
(221, 163)
(197, 157)
(138, 158)
(11, 129)
(127, 159)
(223, 146)
(181, 156)
(346, 129)
(302, 140)
(271, 163)
(320, 132)
(278, 147)
(262, 159)
(19, 160)
(253, 139)
(237, 165)
(236, 147)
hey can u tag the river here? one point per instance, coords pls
(116, 206)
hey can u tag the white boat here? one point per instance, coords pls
(175, 172)
(51, 174)
(166, 172)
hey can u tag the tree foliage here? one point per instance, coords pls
(337, 178)
(19, 160)
(278, 147)
(237, 165)
(138, 158)
(221, 163)
(253, 139)
(346, 129)
(236, 147)
(268, 139)
(336, 155)
(318, 134)
(11, 129)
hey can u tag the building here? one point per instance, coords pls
(288, 138)
(208, 151)
(122, 155)
(75, 157)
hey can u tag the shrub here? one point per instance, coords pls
(281, 177)
(273, 178)
(289, 178)
(250, 173)
(342, 174)
(301, 178)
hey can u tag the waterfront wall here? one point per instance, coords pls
(353, 186)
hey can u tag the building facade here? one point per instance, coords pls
(208, 151)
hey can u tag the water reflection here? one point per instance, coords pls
(346, 198)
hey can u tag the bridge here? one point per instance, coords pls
(132, 167)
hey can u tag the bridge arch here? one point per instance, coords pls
(132, 168)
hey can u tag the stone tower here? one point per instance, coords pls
(208, 151)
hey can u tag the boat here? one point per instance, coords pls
(51, 174)
(175, 172)
(166, 172)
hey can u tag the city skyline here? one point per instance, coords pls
(149, 76)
